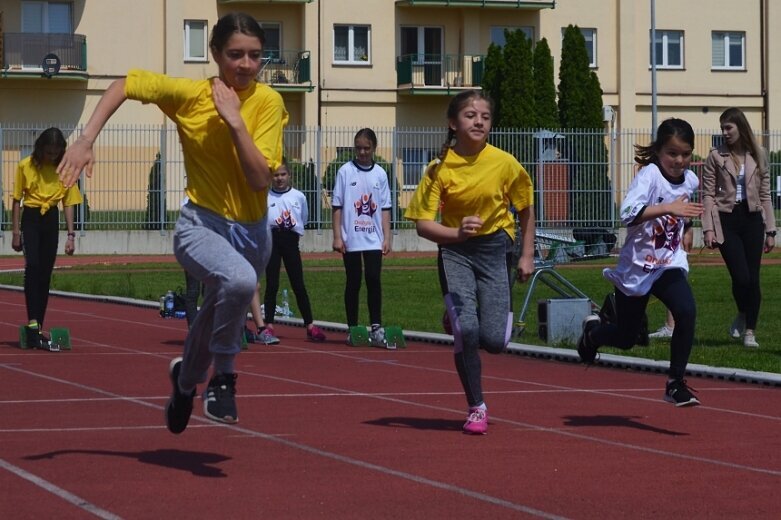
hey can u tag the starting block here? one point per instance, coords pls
(394, 337)
(60, 339)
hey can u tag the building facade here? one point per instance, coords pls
(394, 62)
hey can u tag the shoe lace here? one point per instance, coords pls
(476, 415)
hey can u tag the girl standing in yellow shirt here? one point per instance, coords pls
(472, 185)
(230, 128)
(36, 224)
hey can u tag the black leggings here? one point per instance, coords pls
(353, 268)
(285, 249)
(744, 238)
(40, 234)
(673, 290)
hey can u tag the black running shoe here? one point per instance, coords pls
(180, 406)
(219, 403)
(586, 348)
(680, 394)
(32, 337)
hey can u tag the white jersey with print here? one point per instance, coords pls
(287, 210)
(654, 245)
(363, 194)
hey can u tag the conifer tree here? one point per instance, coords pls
(545, 107)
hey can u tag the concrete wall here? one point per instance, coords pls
(157, 243)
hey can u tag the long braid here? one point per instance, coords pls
(432, 169)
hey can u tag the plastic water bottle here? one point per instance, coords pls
(162, 306)
(285, 305)
(169, 304)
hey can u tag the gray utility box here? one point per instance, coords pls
(560, 319)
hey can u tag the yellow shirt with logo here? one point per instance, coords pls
(41, 187)
(214, 176)
(485, 184)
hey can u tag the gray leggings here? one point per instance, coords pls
(475, 282)
(227, 258)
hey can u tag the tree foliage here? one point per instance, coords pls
(517, 83)
(545, 107)
(492, 73)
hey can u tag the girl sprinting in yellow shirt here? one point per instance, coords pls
(230, 128)
(472, 186)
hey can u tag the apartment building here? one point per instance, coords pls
(393, 62)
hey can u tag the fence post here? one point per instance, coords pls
(163, 179)
(2, 173)
(318, 170)
(395, 192)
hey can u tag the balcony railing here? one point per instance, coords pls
(502, 4)
(24, 52)
(437, 71)
(287, 68)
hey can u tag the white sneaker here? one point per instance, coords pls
(749, 340)
(663, 332)
(377, 338)
(738, 326)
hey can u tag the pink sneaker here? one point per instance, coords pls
(477, 422)
(315, 334)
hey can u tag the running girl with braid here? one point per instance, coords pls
(477, 185)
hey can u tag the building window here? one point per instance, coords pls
(195, 40)
(669, 49)
(728, 50)
(497, 33)
(47, 17)
(272, 49)
(351, 44)
(590, 35)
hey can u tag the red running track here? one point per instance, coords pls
(330, 431)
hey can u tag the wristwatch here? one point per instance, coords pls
(771, 233)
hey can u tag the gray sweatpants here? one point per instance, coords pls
(228, 258)
(475, 283)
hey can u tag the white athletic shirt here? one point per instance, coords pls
(287, 210)
(363, 194)
(654, 245)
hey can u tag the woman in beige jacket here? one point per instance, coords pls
(738, 216)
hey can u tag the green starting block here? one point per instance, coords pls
(60, 339)
(394, 337)
(359, 336)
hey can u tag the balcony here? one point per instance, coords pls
(23, 54)
(265, 1)
(287, 71)
(500, 4)
(438, 74)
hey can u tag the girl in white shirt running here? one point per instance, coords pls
(652, 260)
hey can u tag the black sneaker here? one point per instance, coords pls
(219, 403)
(586, 349)
(679, 393)
(33, 337)
(180, 406)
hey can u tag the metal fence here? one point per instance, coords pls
(139, 179)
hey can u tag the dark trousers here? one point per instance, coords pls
(284, 248)
(744, 238)
(673, 290)
(40, 234)
(370, 264)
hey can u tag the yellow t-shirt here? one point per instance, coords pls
(214, 177)
(486, 185)
(41, 187)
